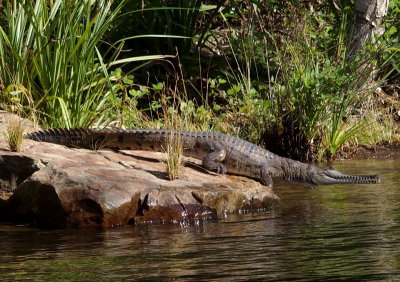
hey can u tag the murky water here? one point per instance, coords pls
(332, 233)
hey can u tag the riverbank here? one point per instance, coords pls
(53, 186)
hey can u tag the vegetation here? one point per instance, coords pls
(275, 73)
(174, 152)
(50, 65)
(173, 146)
(14, 133)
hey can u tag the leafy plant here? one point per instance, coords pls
(338, 130)
(165, 26)
(51, 49)
(50, 63)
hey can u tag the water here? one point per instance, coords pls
(332, 233)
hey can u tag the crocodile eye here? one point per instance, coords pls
(331, 168)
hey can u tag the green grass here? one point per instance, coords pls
(51, 49)
(50, 64)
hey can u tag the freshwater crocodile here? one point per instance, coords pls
(219, 153)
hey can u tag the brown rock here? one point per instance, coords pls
(56, 186)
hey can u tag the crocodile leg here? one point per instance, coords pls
(266, 178)
(212, 161)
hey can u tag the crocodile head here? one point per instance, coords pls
(329, 175)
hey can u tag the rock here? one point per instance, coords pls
(4, 210)
(16, 168)
(55, 186)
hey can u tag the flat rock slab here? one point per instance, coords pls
(54, 186)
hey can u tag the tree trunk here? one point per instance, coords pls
(367, 24)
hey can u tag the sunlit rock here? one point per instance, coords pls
(55, 186)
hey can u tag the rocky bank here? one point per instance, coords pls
(54, 186)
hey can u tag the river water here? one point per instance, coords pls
(344, 232)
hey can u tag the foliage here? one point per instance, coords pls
(177, 20)
(50, 64)
(272, 72)
(317, 93)
(52, 55)
(391, 52)
(312, 88)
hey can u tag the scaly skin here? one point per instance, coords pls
(219, 152)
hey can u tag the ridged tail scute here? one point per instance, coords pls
(96, 139)
(67, 137)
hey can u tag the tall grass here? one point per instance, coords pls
(317, 94)
(50, 64)
(175, 22)
(51, 53)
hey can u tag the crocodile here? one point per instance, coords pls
(220, 153)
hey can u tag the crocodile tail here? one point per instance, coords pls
(67, 137)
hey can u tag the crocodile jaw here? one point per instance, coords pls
(332, 176)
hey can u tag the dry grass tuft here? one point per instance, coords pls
(173, 142)
(14, 133)
(174, 151)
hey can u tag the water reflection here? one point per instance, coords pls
(335, 232)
